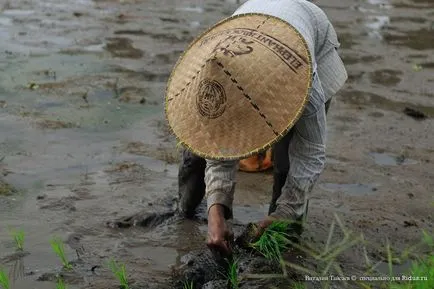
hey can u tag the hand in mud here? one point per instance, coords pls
(219, 236)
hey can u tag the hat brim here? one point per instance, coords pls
(270, 99)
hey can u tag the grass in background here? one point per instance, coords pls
(18, 236)
(59, 249)
(119, 271)
(4, 280)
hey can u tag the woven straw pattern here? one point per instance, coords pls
(239, 87)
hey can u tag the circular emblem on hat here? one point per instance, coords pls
(211, 99)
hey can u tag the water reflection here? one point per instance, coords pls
(376, 24)
(381, 3)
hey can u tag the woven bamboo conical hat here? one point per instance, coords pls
(239, 87)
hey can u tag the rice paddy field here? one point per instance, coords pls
(88, 168)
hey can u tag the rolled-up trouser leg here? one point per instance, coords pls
(191, 183)
(280, 168)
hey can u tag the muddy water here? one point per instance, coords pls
(83, 139)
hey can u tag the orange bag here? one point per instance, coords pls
(257, 163)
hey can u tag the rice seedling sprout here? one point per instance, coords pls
(18, 236)
(59, 249)
(119, 271)
(4, 280)
(60, 284)
(233, 274)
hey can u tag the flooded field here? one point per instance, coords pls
(84, 145)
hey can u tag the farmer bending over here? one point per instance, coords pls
(262, 78)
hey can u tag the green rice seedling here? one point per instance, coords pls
(188, 285)
(298, 285)
(18, 236)
(232, 275)
(60, 284)
(119, 271)
(4, 280)
(59, 249)
(274, 241)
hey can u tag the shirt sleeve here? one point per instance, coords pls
(306, 156)
(220, 184)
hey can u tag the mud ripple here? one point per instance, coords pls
(367, 99)
(54, 124)
(128, 172)
(142, 219)
(354, 59)
(427, 65)
(167, 154)
(386, 77)
(65, 203)
(131, 32)
(422, 39)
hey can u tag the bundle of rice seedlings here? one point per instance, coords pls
(274, 241)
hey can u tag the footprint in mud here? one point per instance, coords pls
(386, 77)
(123, 47)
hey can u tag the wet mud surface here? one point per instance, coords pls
(85, 154)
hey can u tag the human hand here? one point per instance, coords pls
(263, 225)
(219, 235)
